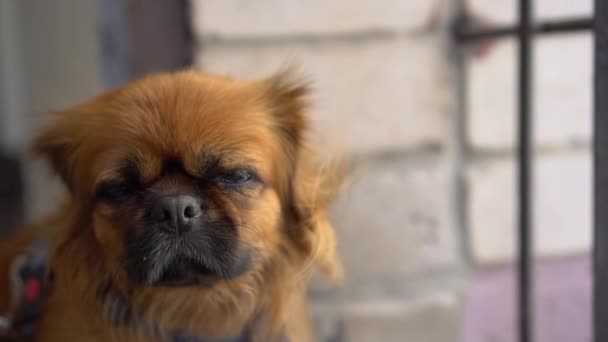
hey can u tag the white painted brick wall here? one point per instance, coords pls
(393, 222)
(433, 318)
(563, 88)
(369, 95)
(562, 190)
(244, 18)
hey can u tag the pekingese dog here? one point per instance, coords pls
(196, 212)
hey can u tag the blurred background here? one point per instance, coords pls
(427, 232)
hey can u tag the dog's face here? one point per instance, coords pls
(186, 185)
(195, 212)
(186, 180)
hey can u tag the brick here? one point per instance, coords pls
(564, 194)
(328, 327)
(434, 318)
(492, 211)
(393, 223)
(496, 11)
(555, 9)
(562, 94)
(505, 12)
(242, 18)
(369, 96)
(562, 222)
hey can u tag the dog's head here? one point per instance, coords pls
(190, 181)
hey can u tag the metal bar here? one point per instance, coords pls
(600, 169)
(525, 171)
(569, 25)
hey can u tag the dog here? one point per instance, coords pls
(197, 210)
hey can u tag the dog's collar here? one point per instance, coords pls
(29, 287)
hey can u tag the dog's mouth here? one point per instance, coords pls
(186, 273)
(187, 267)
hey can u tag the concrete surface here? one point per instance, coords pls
(563, 303)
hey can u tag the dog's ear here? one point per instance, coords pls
(306, 188)
(58, 143)
(316, 185)
(287, 98)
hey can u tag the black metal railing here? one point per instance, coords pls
(524, 31)
(600, 170)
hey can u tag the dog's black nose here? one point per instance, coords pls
(177, 212)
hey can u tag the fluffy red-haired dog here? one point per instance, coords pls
(196, 212)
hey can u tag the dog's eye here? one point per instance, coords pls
(237, 177)
(113, 191)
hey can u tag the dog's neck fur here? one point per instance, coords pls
(118, 311)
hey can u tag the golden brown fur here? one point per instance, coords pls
(184, 116)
